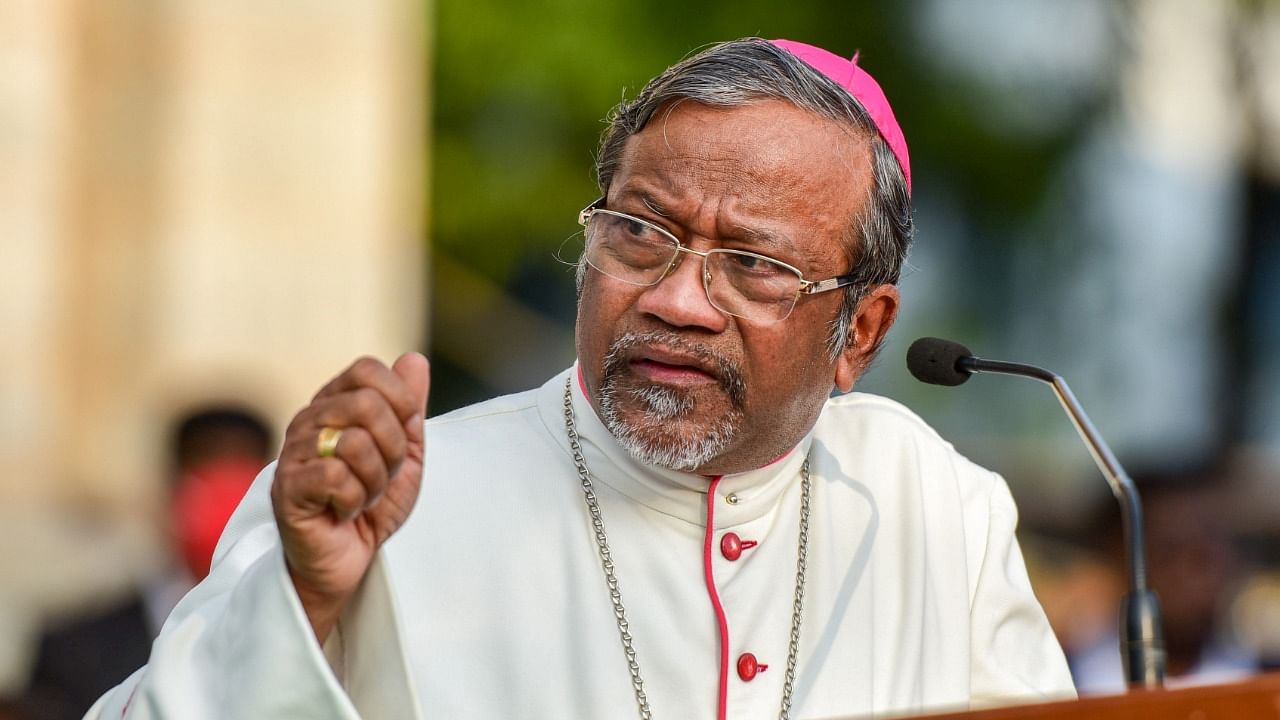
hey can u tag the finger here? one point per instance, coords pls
(327, 484)
(301, 438)
(415, 371)
(346, 496)
(357, 448)
(345, 381)
(365, 408)
(369, 372)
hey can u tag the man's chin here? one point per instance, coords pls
(668, 427)
(672, 449)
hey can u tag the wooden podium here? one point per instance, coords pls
(1251, 699)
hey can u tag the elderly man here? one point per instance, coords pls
(683, 524)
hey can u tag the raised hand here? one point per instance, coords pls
(337, 502)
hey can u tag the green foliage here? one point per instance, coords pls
(521, 89)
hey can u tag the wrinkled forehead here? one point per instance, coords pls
(765, 155)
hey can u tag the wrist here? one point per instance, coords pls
(322, 608)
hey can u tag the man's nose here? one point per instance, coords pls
(680, 298)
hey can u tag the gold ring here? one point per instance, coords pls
(327, 441)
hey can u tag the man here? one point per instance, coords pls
(682, 524)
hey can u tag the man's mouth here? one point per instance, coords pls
(667, 359)
(672, 368)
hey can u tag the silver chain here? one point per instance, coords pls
(615, 594)
(797, 607)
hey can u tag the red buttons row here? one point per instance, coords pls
(748, 667)
(731, 546)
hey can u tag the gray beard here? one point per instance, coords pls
(654, 438)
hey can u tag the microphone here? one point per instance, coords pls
(943, 362)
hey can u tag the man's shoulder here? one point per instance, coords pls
(493, 433)
(515, 421)
(878, 426)
(864, 410)
(508, 407)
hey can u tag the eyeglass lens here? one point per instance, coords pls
(739, 283)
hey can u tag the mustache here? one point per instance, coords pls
(727, 373)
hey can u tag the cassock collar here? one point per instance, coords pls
(680, 495)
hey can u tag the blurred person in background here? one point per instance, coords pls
(214, 454)
(1195, 568)
(1076, 582)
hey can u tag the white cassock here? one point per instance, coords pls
(490, 602)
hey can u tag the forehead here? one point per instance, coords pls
(767, 163)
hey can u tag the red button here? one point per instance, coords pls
(731, 546)
(748, 667)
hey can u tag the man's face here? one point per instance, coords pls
(679, 382)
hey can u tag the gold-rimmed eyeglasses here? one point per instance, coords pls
(738, 282)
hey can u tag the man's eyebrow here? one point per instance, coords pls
(654, 206)
(767, 238)
(651, 203)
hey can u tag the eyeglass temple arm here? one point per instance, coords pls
(585, 214)
(810, 287)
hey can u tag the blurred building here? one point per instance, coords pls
(199, 202)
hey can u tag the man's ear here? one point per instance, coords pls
(871, 322)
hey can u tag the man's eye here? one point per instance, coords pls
(754, 264)
(640, 231)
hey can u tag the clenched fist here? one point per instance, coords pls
(335, 512)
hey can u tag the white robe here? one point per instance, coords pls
(490, 602)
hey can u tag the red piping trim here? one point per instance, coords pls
(125, 710)
(723, 700)
(779, 459)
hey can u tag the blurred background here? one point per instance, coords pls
(214, 207)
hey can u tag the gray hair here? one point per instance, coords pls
(740, 72)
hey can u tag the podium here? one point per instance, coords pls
(1251, 699)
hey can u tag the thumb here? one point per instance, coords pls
(414, 369)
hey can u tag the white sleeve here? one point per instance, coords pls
(1014, 652)
(240, 644)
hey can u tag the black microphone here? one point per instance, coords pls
(943, 362)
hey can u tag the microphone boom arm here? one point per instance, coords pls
(1141, 644)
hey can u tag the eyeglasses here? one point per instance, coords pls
(741, 283)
